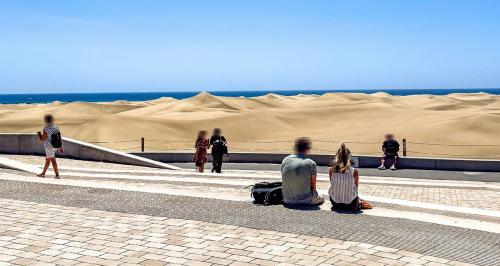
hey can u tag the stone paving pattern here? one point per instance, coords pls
(220, 191)
(461, 197)
(472, 198)
(42, 234)
(450, 243)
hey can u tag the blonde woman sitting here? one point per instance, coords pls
(344, 181)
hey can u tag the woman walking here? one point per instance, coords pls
(52, 142)
(200, 157)
(344, 182)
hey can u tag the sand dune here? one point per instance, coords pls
(271, 122)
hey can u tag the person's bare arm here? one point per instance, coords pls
(44, 135)
(356, 177)
(313, 182)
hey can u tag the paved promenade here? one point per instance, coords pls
(107, 214)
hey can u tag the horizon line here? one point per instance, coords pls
(274, 90)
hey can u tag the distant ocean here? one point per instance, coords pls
(144, 96)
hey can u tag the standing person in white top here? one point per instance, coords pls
(344, 181)
(51, 138)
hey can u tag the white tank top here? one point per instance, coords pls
(342, 187)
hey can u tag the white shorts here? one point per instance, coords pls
(50, 152)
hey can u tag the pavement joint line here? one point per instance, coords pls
(246, 181)
(378, 211)
(365, 179)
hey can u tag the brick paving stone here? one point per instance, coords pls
(153, 263)
(69, 255)
(219, 261)
(65, 262)
(22, 261)
(392, 261)
(263, 262)
(369, 263)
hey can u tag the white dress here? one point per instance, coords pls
(50, 151)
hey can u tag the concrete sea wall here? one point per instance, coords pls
(17, 143)
(362, 161)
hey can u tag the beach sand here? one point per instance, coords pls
(270, 123)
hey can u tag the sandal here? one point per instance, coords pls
(41, 175)
(365, 204)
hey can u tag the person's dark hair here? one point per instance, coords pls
(217, 132)
(302, 145)
(201, 134)
(342, 160)
(48, 119)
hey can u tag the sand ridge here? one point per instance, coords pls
(271, 122)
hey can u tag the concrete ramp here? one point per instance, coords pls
(17, 165)
(14, 143)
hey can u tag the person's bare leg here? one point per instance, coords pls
(382, 164)
(202, 167)
(54, 165)
(45, 167)
(393, 166)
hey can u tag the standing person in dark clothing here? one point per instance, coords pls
(390, 149)
(219, 148)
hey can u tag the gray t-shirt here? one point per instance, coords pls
(296, 172)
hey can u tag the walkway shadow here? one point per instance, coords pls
(302, 207)
(347, 212)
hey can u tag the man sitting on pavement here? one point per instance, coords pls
(299, 177)
(390, 149)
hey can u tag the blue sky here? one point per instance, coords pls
(97, 46)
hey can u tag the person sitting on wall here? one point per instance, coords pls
(298, 173)
(390, 148)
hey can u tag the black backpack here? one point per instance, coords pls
(267, 193)
(56, 140)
